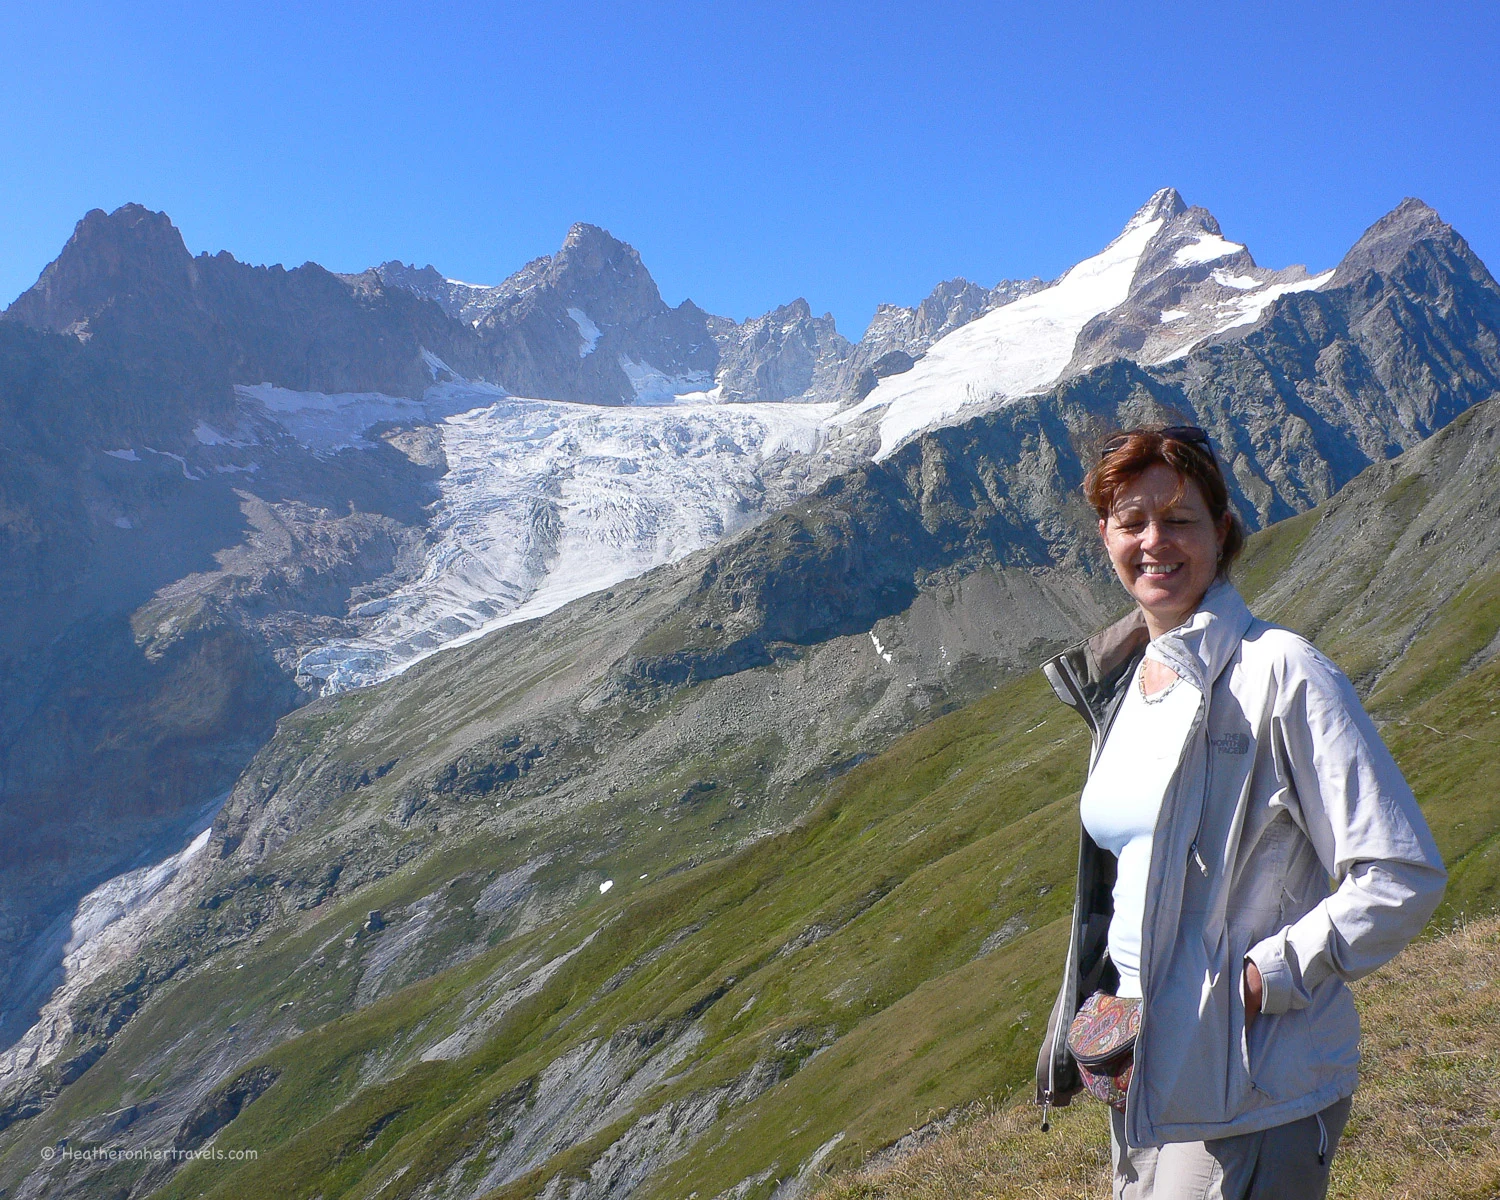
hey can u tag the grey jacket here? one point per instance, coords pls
(1283, 784)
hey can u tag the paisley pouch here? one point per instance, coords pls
(1102, 1042)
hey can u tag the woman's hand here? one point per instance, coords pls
(1254, 992)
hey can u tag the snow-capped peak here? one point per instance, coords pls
(1165, 203)
(1170, 280)
(1018, 348)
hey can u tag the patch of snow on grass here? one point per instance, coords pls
(1012, 351)
(125, 455)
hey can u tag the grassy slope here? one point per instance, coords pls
(917, 857)
(1425, 1117)
(913, 860)
(1423, 1125)
(967, 823)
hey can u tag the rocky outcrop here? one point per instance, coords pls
(588, 324)
(1191, 284)
(126, 287)
(787, 354)
(165, 548)
(896, 332)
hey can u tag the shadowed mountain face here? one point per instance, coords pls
(171, 547)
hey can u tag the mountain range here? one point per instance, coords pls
(627, 597)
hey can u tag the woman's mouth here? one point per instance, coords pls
(1159, 569)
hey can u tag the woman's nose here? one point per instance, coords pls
(1152, 534)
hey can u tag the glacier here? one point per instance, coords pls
(106, 928)
(545, 501)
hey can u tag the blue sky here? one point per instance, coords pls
(848, 153)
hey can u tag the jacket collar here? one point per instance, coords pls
(1201, 647)
(1087, 676)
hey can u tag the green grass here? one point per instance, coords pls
(911, 860)
(1269, 552)
(1422, 1125)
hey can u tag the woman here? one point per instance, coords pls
(1233, 774)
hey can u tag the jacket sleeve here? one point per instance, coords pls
(1351, 801)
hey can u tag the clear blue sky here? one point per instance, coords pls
(848, 153)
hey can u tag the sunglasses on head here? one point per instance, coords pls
(1178, 433)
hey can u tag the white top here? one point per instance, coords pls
(1122, 800)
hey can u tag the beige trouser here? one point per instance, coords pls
(1289, 1162)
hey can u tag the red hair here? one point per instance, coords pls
(1132, 452)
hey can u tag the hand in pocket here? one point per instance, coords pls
(1254, 993)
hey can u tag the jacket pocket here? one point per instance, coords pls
(1253, 1037)
(1280, 1058)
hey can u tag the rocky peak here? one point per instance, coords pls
(586, 324)
(129, 252)
(1387, 243)
(1191, 283)
(604, 274)
(1164, 205)
(786, 353)
(425, 281)
(1190, 244)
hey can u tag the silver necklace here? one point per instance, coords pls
(1154, 697)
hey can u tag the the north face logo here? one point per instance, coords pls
(1232, 743)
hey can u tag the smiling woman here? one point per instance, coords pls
(1165, 520)
(1233, 774)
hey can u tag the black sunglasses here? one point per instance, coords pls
(1178, 433)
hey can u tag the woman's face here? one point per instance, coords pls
(1165, 552)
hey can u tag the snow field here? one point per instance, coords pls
(1012, 351)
